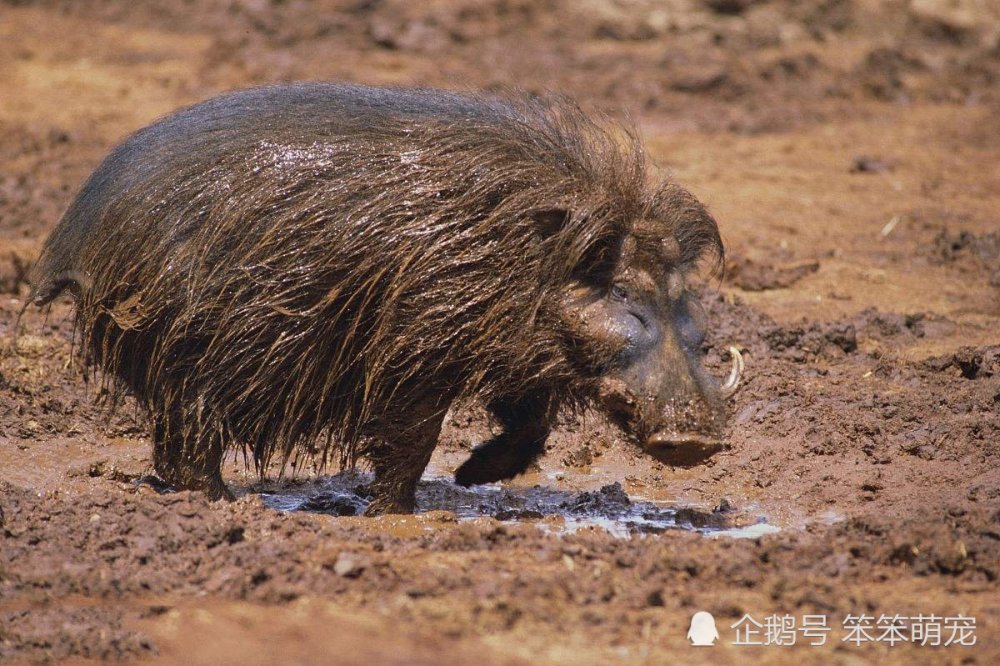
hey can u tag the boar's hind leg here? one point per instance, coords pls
(399, 452)
(197, 467)
(525, 428)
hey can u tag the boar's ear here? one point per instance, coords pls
(693, 226)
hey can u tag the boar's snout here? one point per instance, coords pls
(683, 424)
(701, 420)
(668, 403)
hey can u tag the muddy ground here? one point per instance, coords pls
(849, 150)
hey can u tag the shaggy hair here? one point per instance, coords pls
(281, 266)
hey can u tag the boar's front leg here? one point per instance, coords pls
(526, 425)
(399, 450)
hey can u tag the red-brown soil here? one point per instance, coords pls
(849, 150)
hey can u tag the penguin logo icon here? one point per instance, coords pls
(703, 631)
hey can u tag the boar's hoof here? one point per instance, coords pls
(220, 491)
(682, 449)
(381, 506)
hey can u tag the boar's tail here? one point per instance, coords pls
(44, 288)
(46, 284)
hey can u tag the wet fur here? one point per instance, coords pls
(324, 269)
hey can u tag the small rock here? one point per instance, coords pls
(868, 164)
(518, 514)
(568, 562)
(580, 457)
(724, 506)
(871, 485)
(728, 6)
(699, 79)
(955, 20)
(349, 565)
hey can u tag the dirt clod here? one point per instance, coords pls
(752, 276)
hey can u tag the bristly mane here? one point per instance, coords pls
(309, 275)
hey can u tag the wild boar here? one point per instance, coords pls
(325, 269)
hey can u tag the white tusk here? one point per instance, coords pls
(733, 382)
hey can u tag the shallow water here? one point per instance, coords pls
(557, 511)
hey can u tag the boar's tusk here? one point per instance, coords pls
(733, 382)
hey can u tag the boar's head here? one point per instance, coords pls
(629, 320)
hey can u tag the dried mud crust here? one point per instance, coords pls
(864, 298)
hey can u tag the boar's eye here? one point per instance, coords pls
(619, 292)
(596, 265)
(688, 324)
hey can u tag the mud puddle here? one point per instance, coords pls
(557, 511)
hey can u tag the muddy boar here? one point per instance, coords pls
(325, 269)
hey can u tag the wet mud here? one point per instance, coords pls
(848, 150)
(609, 507)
